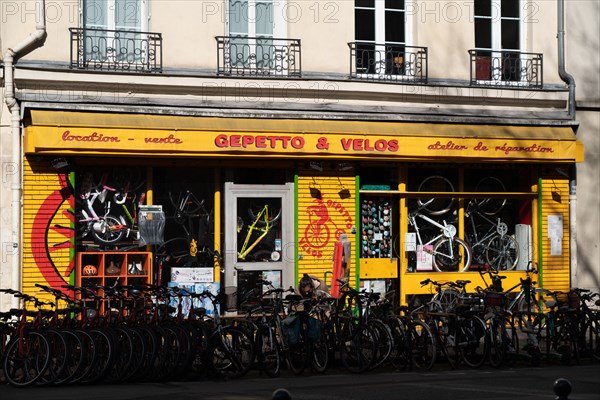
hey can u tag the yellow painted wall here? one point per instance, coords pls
(555, 269)
(326, 208)
(48, 234)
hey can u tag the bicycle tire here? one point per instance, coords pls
(400, 356)
(502, 252)
(298, 354)
(89, 356)
(490, 206)
(123, 355)
(423, 347)
(268, 352)
(110, 235)
(25, 369)
(437, 184)
(260, 222)
(592, 338)
(472, 341)
(444, 262)
(75, 356)
(105, 355)
(320, 354)
(231, 353)
(138, 342)
(358, 353)
(58, 357)
(385, 342)
(497, 334)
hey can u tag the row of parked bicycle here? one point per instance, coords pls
(130, 333)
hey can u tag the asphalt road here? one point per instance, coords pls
(521, 382)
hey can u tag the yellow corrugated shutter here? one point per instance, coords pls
(555, 210)
(326, 208)
(48, 234)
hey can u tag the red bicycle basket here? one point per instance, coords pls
(494, 299)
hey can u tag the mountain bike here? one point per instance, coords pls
(489, 239)
(262, 222)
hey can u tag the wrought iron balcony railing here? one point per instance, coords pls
(506, 68)
(258, 56)
(388, 62)
(111, 50)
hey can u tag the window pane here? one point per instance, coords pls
(365, 3)
(394, 4)
(238, 17)
(510, 8)
(264, 19)
(483, 33)
(364, 24)
(483, 8)
(510, 35)
(128, 15)
(95, 14)
(394, 26)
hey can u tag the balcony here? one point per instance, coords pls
(388, 62)
(506, 69)
(258, 57)
(119, 51)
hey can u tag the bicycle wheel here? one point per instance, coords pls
(358, 353)
(423, 349)
(591, 335)
(502, 252)
(437, 184)
(138, 342)
(491, 206)
(400, 355)
(75, 356)
(110, 230)
(231, 353)
(89, 356)
(268, 352)
(445, 300)
(348, 316)
(123, 355)
(26, 359)
(176, 251)
(451, 255)
(385, 342)
(58, 357)
(472, 341)
(272, 214)
(298, 354)
(105, 355)
(320, 354)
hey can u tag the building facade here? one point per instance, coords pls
(211, 143)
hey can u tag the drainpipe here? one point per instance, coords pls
(34, 40)
(564, 75)
(569, 80)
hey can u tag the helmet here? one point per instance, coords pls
(90, 270)
(306, 286)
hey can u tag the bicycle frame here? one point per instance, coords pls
(246, 248)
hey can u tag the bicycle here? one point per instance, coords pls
(489, 240)
(449, 252)
(262, 223)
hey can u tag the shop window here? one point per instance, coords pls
(187, 198)
(497, 229)
(107, 205)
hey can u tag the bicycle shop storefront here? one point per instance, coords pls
(214, 203)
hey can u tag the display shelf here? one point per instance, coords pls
(113, 268)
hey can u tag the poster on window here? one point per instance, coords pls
(555, 234)
(194, 287)
(424, 257)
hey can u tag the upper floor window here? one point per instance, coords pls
(253, 25)
(381, 34)
(113, 29)
(499, 38)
